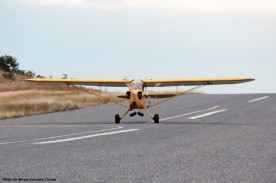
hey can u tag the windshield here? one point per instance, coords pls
(137, 84)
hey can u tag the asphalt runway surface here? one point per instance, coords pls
(200, 138)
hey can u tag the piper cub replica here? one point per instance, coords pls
(137, 94)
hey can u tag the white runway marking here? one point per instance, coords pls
(58, 136)
(84, 137)
(258, 99)
(207, 114)
(186, 114)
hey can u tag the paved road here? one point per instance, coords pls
(201, 138)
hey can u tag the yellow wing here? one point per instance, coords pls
(90, 82)
(147, 83)
(190, 82)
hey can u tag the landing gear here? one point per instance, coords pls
(117, 119)
(156, 118)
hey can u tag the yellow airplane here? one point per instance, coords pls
(137, 94)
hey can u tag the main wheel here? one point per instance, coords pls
(117, 118)
(156, 118)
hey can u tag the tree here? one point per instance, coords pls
(30, 74)
(8, 64)
(39, 76)
(21, 72)
(65, 76)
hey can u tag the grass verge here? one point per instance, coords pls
(17, 104)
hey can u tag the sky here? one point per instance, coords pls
(144, 39)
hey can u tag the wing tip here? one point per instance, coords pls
(250, 79)
(29, 80)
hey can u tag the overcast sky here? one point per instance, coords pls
(158, 39)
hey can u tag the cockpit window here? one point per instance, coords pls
(137, 85)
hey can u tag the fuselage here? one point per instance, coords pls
(137, 99)
(136, 95)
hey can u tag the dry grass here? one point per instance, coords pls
(19, 98)
(16, 104)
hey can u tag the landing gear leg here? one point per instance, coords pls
(155, 117)
(118, 118)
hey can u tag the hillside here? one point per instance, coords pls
(19, 98)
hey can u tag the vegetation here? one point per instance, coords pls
(19, 98)
(10, 67)
(29, 102)
(8, 64)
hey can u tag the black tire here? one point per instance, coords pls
(156, 118)
(117, 119)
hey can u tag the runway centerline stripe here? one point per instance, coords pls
(257, 99)
(186, 114)
(84, 137)
(207, 114)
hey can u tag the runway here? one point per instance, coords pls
(200, 138)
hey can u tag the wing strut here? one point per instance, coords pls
(83, 89)
(176, 95)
